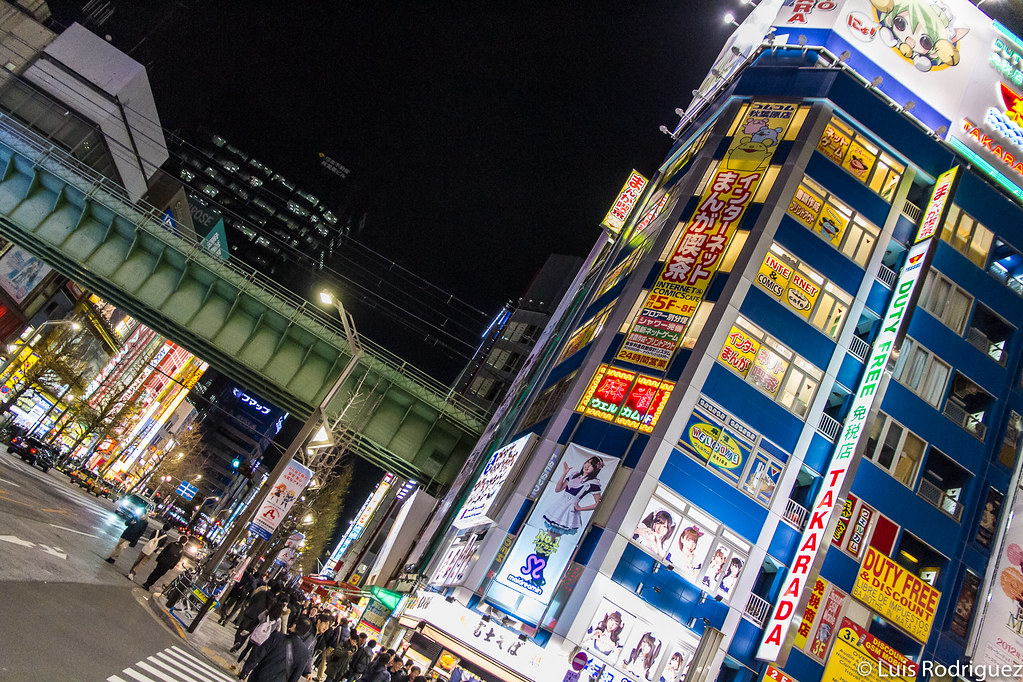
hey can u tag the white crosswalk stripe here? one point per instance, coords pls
(173, 664)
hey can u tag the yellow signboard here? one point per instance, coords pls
(831, 225)
(859, 160)
(834, 143)
(739, 351)
(780, 279)
(814, 603)
(622, 207)
(802, 294)
(24, 362)
(683, 281)
(858, 656)
(805, 206)
(896, 594)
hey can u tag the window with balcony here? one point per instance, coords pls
(967, 236)
(944, 300)
(922, 372)
(765, 363)
(968, 405)
(833, 221)
(863, 159)
(803, 291)
(943, 483)
(895, 449)
(989, 333)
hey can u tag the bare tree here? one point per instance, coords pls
(58, 360)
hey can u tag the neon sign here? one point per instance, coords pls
(252, 402)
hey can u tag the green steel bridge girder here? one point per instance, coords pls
(244, 325)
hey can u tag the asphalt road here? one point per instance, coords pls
(66, 614)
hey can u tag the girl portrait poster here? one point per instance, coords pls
(607, 633)
(691, 546)
(639, 659)
(656, 528)
(545, 545)
(677, 665)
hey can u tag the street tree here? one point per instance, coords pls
(326, 512)
(56, 359)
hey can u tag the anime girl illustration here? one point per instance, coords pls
(921, 30)
(603, 637)
(654, 532)
(643, 656)
(563, 516)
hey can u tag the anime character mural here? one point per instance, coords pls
(923, 31)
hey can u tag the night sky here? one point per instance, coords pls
(481, 136)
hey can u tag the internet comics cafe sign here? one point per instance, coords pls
(828, 499)
(284, 492)
(657, 331)
(896, 594)
(622, 207)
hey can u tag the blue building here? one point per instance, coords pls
(770, 431)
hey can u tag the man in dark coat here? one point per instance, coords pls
(238, 597)
(269, 662)
(167, 559)
(379, 670)
(135, 529)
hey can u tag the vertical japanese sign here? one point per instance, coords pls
(622, 207)
(683, 282)
(828, 500)
(283, 494)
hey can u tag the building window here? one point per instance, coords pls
(803, 291)
(968, 405)
(833, 221)
(770, 366)
(733, 450)
(967, 236)
(1010, 441)
(586, 332)
(922, 372)
(989, 333)
(547, 401)
(946, 301)
(892, 447)
(943, 483)
(699, 548)
(863, 159)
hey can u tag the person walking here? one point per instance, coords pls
(327, 634)
(271, 623)
(259, 603)
(238, 597)
(399, 671)
(159, 539)
(282, 658)
(131, 535)
(167, 559)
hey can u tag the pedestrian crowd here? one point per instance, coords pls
(281, 636)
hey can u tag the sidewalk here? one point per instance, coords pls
(210, 638)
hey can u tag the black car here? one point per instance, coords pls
(32, 451)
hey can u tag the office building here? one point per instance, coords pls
(773, 432)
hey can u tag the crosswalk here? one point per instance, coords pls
(171, 665)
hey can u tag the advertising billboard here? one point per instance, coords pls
(544, 547)
(657, 331)
(1000, 637)
(896, 594)
(827, 499)
(859, 655)
(488, 486)
(284, 492)
(21, 272)
(625, 398)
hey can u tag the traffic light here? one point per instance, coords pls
(236, 462)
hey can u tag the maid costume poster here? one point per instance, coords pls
(545, 546)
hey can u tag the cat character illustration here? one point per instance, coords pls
(921, 30)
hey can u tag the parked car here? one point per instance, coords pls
(133, 506)
(86, 478)
(32, 450)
